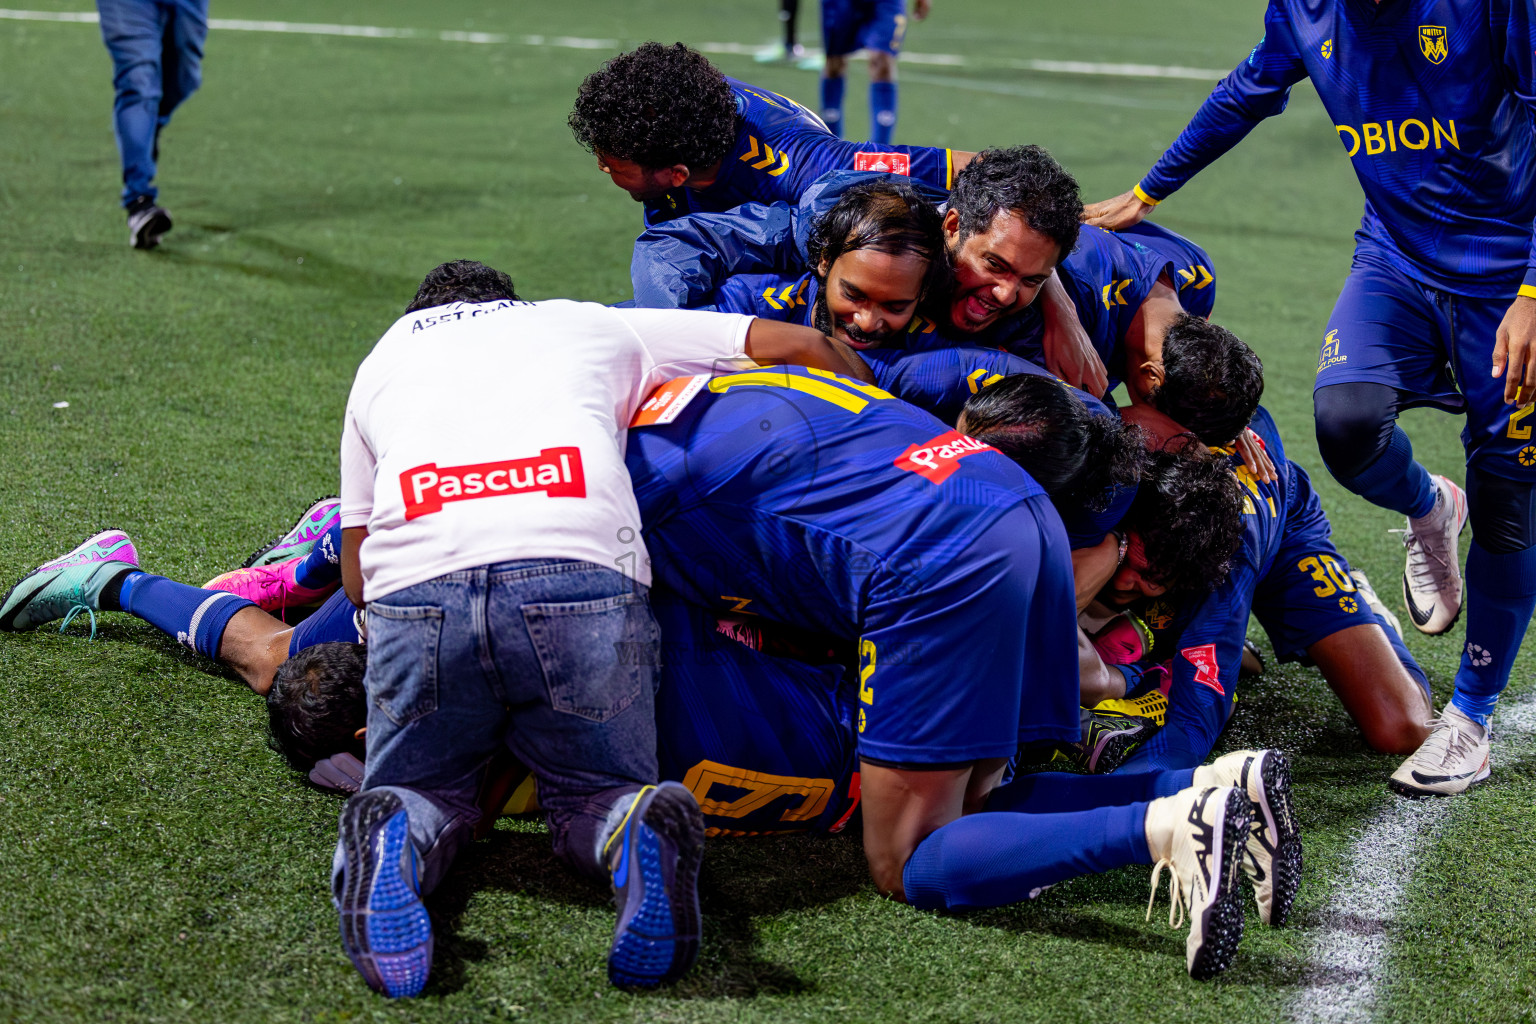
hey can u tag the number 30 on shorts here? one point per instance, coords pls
(1328, 573)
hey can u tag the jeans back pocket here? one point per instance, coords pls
(402, 659)
(596, 655)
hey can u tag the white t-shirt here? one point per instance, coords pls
(484, 432)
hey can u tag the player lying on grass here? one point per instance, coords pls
(668, 128)
(1286, 571)
(1439, 307)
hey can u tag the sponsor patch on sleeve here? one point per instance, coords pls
(667, 401)
(937, 459)
(889, 163)
(1207, 669)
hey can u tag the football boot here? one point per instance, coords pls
(1457, 753)
(1432, 575)
(653, 858)
(1273, 858)
(1198, 834)
(69, 584)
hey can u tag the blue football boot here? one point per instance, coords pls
(385, 929)
(653, 856)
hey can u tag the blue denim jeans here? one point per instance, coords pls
(157, 60)
(554, 659)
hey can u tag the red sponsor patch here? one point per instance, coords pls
(1207, 670)
(667, 401)
(555, 471)
(937, 459)
(890, 163)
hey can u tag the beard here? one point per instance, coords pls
(821, 319)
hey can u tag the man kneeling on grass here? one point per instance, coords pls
(497, 622)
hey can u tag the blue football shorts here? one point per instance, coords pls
(851, 25)
(1438, 348)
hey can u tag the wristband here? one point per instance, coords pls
(1144, 197)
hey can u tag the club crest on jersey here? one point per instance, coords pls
(555, 471)
(936, 460)
(1432, 43)
(889, 163)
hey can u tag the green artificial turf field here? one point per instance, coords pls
(159, 863)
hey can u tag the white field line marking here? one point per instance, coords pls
(1056, 67)
(1349, 955)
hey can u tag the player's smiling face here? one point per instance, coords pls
(868, 297)
(1133, 580)
(640, 183)
(997, 271)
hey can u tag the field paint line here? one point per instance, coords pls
(955, 60)
(1349, 956)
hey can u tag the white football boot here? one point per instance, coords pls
(1364, 588)
(1432, 576)
(1199, 835)
(1273, 860)
(1457, 753)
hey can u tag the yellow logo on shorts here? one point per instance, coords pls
(1432, 43)
(1527, 456)
(1327, 48)
(1329, 355)
(1347, 604)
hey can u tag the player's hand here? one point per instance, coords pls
(1116, 214)
(920, 9)
(1251, 447)
(1514, 352)
(1069, 352)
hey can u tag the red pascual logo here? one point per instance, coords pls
(555, 471)
(891, 163)
(938, 458)
(1207, 670)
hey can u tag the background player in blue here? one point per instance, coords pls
(877, 27)
(157, 62)
(1285, 570)
(680, 137)
(1433, 102)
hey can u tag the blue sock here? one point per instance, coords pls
(990, 860)
(1395, 480)
(322, 566)
(194, 616)
(1501, 594)
(882, 111)
(1050, 792)
(832, 104)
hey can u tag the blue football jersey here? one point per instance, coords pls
(781, 148)
(1211, 628)
(832, 506)
(942, 380)
(1432, 101)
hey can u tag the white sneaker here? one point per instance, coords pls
(1273, 861)
(1432, 577)
(1199, 835)
(1456, 754)
(1363, 586)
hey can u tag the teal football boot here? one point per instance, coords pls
(70, 584)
